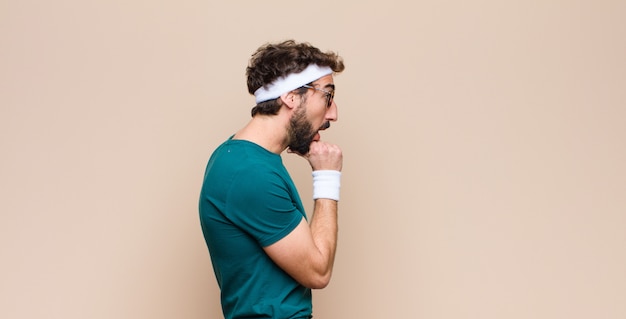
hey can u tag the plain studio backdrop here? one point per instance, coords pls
(484, 145)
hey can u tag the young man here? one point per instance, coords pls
(266, 255)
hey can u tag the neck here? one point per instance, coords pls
(267, 131)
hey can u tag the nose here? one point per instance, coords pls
(332, 112)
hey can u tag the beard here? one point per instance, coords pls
(301, 133)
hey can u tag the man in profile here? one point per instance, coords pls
(265, 254)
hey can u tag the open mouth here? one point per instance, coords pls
(324, 126)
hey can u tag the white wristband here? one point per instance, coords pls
(326, 184)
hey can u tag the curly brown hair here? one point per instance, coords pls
(272, 61)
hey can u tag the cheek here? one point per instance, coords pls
(319, 114)
(318, 122)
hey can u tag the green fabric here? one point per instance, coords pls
(248, 201)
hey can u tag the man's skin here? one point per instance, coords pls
(307, 254)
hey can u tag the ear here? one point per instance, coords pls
(290, 99)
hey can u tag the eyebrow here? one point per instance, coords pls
(330, 85)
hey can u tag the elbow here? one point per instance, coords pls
(318, 281)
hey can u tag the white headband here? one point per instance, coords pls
(291, 82)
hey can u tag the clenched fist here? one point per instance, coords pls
(325, 156)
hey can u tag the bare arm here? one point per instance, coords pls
(308, 253)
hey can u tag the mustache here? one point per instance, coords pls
(325, 125)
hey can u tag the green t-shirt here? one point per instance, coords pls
(248, 201)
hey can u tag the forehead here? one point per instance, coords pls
(325, 82)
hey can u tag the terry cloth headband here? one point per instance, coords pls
(291, 82)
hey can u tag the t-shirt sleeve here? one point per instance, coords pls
(261, 204)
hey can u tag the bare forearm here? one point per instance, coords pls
(324, 230)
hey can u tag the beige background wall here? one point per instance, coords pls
(484, 146)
